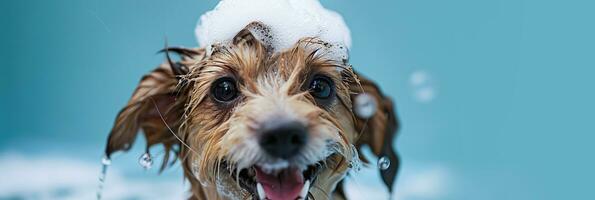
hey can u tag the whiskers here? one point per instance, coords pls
(169, 128)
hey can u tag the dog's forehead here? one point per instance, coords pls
(305, 58)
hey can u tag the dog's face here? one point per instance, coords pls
(251, 123)
(270, 122)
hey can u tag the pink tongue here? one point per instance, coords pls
(284, 186)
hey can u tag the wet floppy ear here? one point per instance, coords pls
(156, 106)
(379, 129)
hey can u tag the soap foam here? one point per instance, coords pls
(288, 20)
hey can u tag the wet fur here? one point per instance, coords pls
(175, 109)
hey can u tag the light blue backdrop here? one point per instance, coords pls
(495, 97)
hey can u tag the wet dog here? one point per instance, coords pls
(250, 123)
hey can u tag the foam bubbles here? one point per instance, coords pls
(288, 20)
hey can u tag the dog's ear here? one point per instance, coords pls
(156, 106)
(379, 129)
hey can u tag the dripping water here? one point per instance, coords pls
(355, 162)
(146, 161)
(105, 162)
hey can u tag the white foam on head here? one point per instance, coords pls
(288, 20)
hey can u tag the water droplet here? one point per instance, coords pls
(106, 161)
(383, 163)
(365, 105)
(146, 161)
(355, 162)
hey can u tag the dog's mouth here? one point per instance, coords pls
(289, 183)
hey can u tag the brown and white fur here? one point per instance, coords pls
(218, 142)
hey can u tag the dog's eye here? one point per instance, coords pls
(224, 89)
(321, 87)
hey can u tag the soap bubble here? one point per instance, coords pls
(146, 161)
(365, 105)
(425, 94)
(422, 85)
(419, 78)
(383, 163)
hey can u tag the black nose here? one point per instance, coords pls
(283, 140)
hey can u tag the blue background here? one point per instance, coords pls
(511, 118)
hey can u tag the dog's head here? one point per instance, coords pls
(252, 122)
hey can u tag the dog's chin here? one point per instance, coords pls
(279, 181)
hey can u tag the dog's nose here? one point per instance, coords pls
(284, 140)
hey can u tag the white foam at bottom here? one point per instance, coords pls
(50, 177)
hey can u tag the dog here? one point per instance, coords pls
(250, 123)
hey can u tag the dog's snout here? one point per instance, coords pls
(284, 140)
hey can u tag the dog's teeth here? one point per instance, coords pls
(260, 190)
(304, 192)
